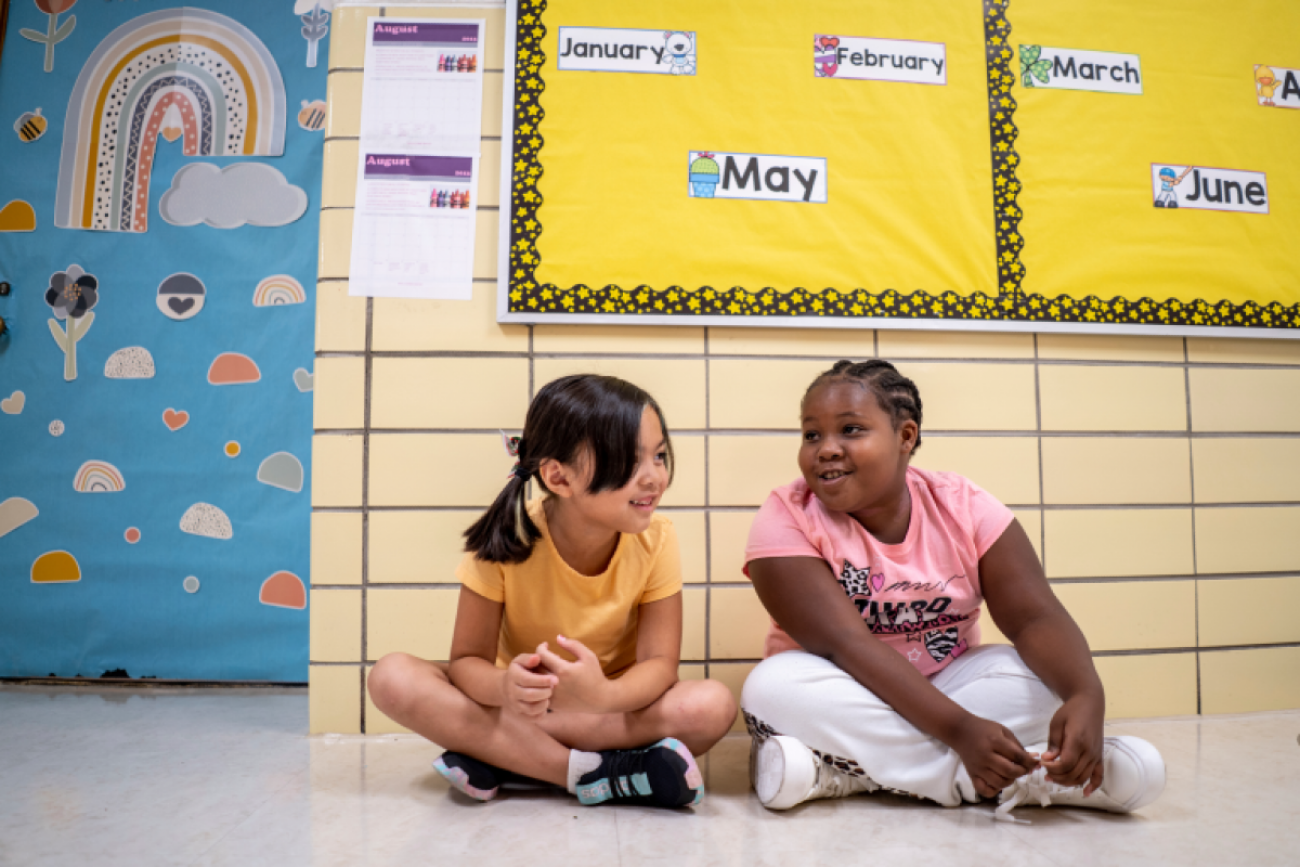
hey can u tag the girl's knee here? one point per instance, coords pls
(390, 680)
(702, 710)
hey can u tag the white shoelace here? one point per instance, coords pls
(834, 783)
(1033, 786)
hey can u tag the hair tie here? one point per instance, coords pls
(513, 446)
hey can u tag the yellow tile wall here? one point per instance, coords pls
(1173, 545)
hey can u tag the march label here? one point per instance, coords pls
(1075, 69)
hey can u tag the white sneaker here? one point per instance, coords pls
(1134, 776)
(785, 773)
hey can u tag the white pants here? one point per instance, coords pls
(846, 725)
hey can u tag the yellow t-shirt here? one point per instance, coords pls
(544, 597)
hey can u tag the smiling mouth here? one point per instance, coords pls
(646, 503)
(832, 475)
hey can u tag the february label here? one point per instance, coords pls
(609, 49)
(1209, 189)
(1076, 69)
(865, 58)
(714, 175)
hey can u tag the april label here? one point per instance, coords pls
(1209, 189)
(1277, 86)
(610, 49)
(714, 175)
(1075, 69)
(864, 58)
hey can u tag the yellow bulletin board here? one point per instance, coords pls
(1006, 185)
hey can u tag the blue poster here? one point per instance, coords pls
(159, 199)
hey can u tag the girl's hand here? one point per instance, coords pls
(1074, 754)
(580, 685)
(526, 691)
(992, 755)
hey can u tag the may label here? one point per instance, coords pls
(1074, 69)
(714, 175)
(1277, 86)
(609, 49)
(1209, 189)
(866, 59)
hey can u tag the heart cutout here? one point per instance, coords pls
(180, 305)
(14, 403)
(175, 420)
(303, 379)
(878, 581)
(171, 133)
(829, 42)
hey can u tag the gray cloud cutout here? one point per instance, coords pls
(227, 198)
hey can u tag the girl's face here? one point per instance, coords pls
(629, 508)
(851, 456)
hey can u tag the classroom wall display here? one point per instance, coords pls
(998, 165)
(160, 332)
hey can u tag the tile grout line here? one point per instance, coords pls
(708, 520)
(1191, 477)
(365, 511)
(1042, 497)
(365, 506)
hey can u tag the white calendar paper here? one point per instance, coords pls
(417, 181)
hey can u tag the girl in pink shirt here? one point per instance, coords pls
(873, 572)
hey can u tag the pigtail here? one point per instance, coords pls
(505, 533)
(577, 417)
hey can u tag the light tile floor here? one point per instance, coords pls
(110, 776)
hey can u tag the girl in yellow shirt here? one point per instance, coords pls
(568, 631)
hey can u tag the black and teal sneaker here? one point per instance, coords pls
(660, 775)
(480, 780)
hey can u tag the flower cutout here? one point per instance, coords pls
(72, 293)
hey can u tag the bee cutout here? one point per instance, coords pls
(312, 115)
(31, 126)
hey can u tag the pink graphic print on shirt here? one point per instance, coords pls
(922, 620)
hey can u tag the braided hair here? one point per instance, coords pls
(896, 394)
(583, 416)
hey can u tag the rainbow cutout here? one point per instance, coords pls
(210, 68)
(98, 477)
(278, 289)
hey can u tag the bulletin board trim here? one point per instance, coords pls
(522, 299)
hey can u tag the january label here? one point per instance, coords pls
(1209, 189)
(609, 49)
(1075, 69)
(716, 175)
(868, 59)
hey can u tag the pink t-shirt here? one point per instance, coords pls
(921, 596)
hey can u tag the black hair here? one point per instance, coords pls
(896, 394)
(574, 418)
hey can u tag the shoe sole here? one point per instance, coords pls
(694, 779)
(784, 772)
(460, 781)
(1152, 765)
